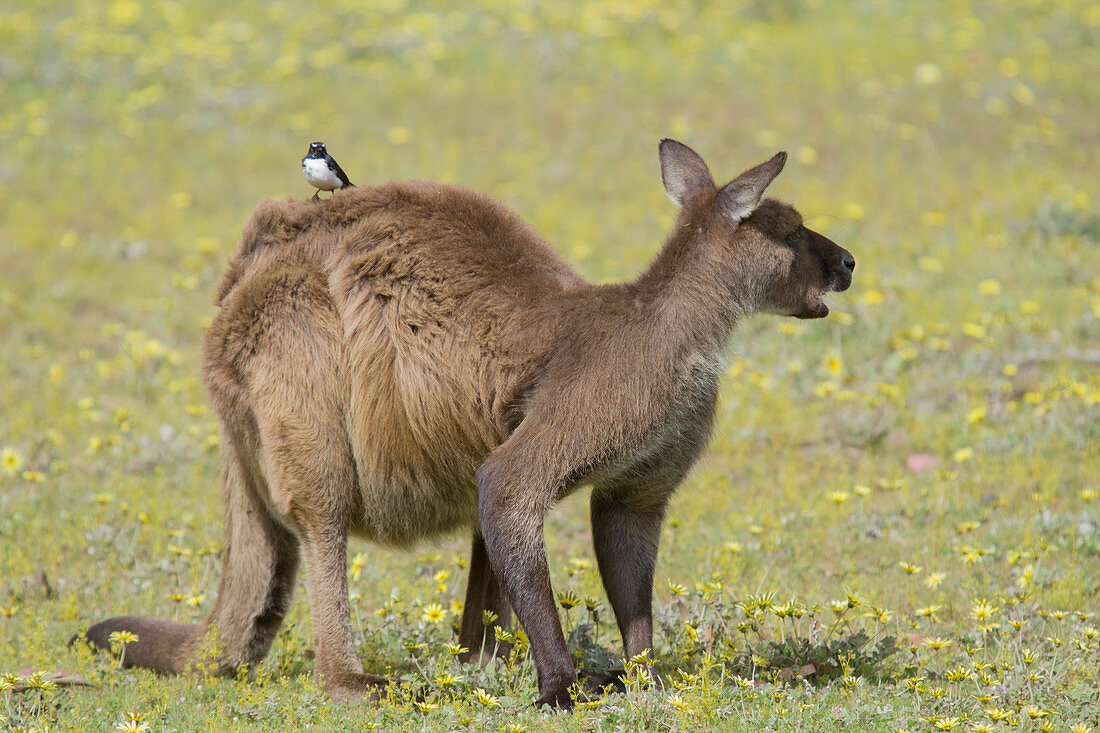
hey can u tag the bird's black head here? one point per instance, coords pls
(317, 150)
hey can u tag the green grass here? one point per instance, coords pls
(951, 146)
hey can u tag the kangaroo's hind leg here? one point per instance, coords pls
(298, 393)
(483, 593)
(311, 474)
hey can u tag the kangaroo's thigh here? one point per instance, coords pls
(274, 364)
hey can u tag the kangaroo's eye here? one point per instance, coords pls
(793, 237)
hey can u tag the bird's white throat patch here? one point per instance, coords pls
(318, 174)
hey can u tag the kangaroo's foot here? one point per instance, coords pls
(595, 683)
(561, 698)
(355, 686)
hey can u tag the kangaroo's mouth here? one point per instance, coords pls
(816, 308)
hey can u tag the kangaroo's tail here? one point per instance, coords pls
(162, 646)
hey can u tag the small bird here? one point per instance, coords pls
(322, 172)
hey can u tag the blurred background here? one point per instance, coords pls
(952, 146)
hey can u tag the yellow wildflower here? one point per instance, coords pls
(10, 461)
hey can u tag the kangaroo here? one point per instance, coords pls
(412, 359)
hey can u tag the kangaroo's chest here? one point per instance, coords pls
(664, 449)
(681, 433)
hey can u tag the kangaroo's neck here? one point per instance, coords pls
(698, 290)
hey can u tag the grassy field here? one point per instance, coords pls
(895, 526)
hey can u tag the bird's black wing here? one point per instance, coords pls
(339, 171)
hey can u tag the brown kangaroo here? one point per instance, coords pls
(412, 359)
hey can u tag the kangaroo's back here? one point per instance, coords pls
(406, 231)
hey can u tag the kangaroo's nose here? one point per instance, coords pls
(848, 261)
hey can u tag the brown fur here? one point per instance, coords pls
(412, 359)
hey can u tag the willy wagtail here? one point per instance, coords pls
(322, 172)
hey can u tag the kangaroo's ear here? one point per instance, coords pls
(684, 173)
(740, 197)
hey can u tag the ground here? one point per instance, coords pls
(895, 525)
